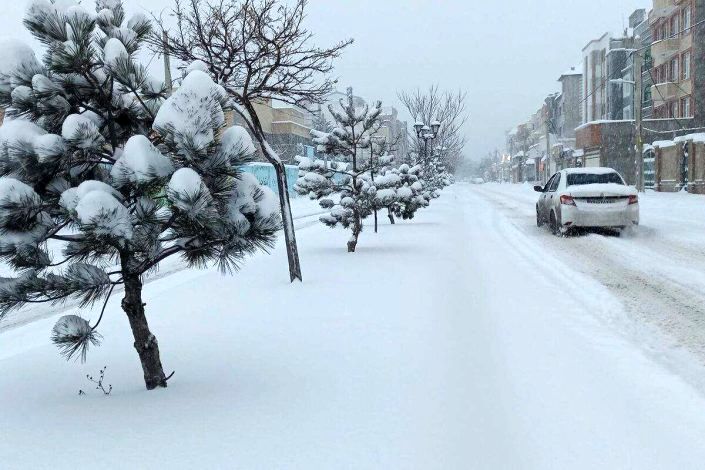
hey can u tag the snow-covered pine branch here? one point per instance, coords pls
(96, 159)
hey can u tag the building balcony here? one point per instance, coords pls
(664, 92)
(663, 50)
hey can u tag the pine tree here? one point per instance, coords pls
(102, 177)
(410, 191)
(350, 181)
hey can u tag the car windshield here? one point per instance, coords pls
(577, 179)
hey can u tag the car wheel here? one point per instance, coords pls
(554, 224)
(539, 220)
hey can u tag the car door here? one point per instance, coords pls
(552, 196)
(544, 201)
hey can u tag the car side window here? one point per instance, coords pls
(554, 184)
(547, 188)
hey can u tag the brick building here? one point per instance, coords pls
(678, 52)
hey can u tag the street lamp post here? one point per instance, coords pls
(427, 134)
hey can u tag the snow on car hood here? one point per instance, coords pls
(596, 190)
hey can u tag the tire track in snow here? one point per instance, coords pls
(664, 299)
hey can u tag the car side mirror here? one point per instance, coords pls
(538, 189)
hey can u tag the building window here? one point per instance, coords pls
(685, 107)
(647, 97)
(674, 76)
(673, 110)
(686, 19)
(675, 25)
(686, 66)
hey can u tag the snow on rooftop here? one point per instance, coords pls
(664, 144)
(602, 121)
(697, 138)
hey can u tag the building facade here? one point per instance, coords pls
(569, 113)
(641, 33)
(604, 62)
(678, 69)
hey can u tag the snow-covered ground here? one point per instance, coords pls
(464, 339)
(657, 272)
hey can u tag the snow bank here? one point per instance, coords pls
(664, 144)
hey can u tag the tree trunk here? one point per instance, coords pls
(292, 250)
(357, 228)
(145, 342)
(391, 216)
(375, 220)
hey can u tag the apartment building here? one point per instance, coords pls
(678, 64)
(604, 60)
(641, 32)
(568, 115)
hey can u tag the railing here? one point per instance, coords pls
(265, 174)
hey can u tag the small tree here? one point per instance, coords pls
(352, 181)
(258, 50)
(101, 179)
(411, 194)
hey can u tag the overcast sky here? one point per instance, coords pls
(507, 55)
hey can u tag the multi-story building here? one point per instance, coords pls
(569, 115)
(594, 74)
(604, 61)
(678, 62)
(287, 128)
(641, 32)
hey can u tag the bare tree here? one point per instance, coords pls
(448, 108)
(257, 50)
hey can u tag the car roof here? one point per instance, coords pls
(589, 171)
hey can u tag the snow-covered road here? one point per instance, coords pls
(657, 272)
(465, 339)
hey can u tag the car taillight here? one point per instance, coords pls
(633, 200)
(567, 200)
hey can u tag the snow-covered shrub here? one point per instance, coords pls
(93, 156)
(411, 194)
(346, 185)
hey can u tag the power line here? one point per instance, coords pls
(672, 36)
(682, 127)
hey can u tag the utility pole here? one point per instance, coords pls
(638, 93)
(167, 65)
(547, 174)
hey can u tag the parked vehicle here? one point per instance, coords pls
(478, 181)
(587, 198)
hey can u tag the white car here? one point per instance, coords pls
(588, 198)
